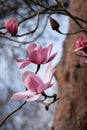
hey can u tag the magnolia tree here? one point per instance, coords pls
(9, 29)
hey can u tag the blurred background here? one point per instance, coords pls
(32, 116)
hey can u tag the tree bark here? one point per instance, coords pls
(71, 111)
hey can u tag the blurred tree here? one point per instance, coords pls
(71, 112)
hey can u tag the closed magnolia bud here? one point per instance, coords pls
(12, 26)
(54, 24)
(47, 107)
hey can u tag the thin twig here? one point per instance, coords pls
(40, 101)
(37, 24)
(73, 33)
(48, 104)
(14, 111)
(30, 7)
(71, 16)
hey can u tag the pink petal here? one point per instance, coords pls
(24, 64)
(38, 48)
(52, 75)
(50, 47)
(79, 43)
(21, 60)
(34, 82)
(21, 95)
(31, 47)
(44, 55)
(12, 26)
(44, 87)
(83, 37)
(35, 52)
(51, 58)
(34, 98)
(25, 78)
(48, 73)
(36, 57)
(47, 85)
(77, 49)
(25, 75)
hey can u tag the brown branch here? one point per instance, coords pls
(10, 39)
(63, 13)
(47, 10)
(40, 4)
(73, 18)
(14, 111)
(31, 32)
(43, 11)
(2, 27)
(47, 105)
(30, 7)
(73, 33)
(53, 9)
(19, 14)
(27, 42)
(68, 13)
(54, 96)
(47, 96)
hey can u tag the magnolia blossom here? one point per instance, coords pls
(38, 55)
(81, 48)
(34, 85)
(81, 44)
(12, 26)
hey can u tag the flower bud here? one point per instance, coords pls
(12, 26)
(54, 24)
(47, 107)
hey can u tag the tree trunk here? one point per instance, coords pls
(71, 112)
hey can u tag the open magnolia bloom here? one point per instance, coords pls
(81, 44)
(38, 55)
(34, 85)
(81, 48)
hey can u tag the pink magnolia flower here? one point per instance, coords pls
(81, 44)
(81, 48)
(38, 55)
(12, 26)
(34, 85)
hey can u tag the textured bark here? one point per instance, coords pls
(71, 112)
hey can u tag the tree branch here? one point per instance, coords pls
(14, 111)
